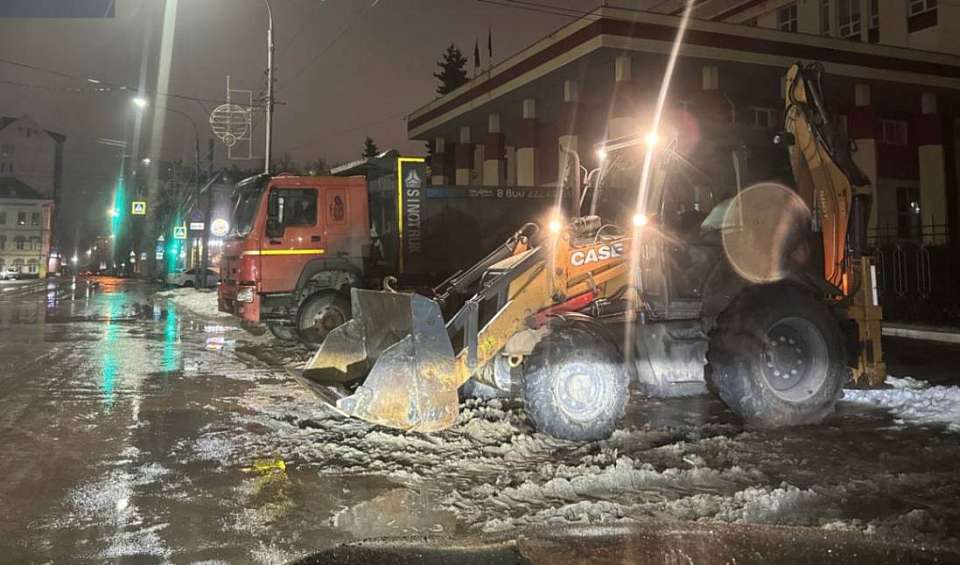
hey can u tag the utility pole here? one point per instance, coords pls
(269, 140)
(208, 212)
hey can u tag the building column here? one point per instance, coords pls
(494, 157)
(622, 121)
(570, 119)
(527, 144)
(930, 156)
(862, 127)
(464, 157)
(438, 162)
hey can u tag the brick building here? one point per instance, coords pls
(31, 178)
(598, 77)
(25, 221)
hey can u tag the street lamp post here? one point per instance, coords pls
(269, 128)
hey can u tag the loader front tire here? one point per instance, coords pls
(575, 386)
(777, 358)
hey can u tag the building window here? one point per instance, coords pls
(824, 17)
(787, 18)
(920, 6)
(908, 211)
(762, 117)
(35, 243)
(18, 265)
(6, 150)
(921, 14)
(18, 243)
(21, 218)
(893, 132)
(35, 219)
(848, 14)
(32, 266)
(3, 218)
(3, 242)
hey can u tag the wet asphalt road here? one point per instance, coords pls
(125, 436)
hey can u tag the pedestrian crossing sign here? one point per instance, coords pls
(138, 208)
(180, 232)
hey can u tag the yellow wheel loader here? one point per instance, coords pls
(666, 271)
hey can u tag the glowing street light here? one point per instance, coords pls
(651, 139)
(146, 161)
(140, 102)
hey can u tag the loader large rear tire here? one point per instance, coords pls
(575, 385)
(777, 358)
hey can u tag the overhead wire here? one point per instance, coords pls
(99, 85)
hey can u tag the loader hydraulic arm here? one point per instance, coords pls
(838, 194)
(827, 178)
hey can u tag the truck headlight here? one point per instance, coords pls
(245, 294)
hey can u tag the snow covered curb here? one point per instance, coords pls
(201, 303)
(914, 402)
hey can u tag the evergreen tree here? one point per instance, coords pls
(318, 167)
(370, 148)
(452, 70)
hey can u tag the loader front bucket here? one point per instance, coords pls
(396, 347)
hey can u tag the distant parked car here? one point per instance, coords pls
(9, 274)
(188, 278)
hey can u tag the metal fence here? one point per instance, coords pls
(917, 273)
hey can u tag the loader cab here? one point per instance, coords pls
(683, 208)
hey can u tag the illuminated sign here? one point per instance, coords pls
(196, 226)
(180, 232)
(219, 227)
(138, 208)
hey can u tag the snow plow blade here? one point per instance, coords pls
(396, 347)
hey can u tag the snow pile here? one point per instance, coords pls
(914, 402)
(198, 302)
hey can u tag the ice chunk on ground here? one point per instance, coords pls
(198, 302)
(914, 402)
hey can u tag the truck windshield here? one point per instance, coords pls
(245, 211)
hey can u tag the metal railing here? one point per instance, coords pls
(916, 274)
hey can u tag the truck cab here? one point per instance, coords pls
(298, 244)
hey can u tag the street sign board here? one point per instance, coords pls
(138, 208)
(219, 227)
(180, 232)
(196, 226)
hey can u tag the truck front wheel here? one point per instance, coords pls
(319, 314)
(776, 358)
(575, 385)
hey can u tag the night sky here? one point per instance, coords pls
(345, 69)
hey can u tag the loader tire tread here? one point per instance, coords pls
(570, 350)
(737, 369)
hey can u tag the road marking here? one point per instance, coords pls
(285, 252)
